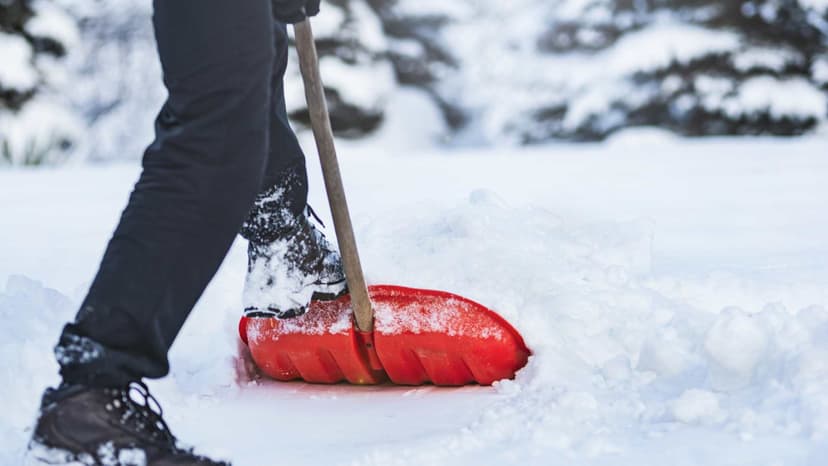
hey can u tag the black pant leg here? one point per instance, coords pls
(284, 193)
(200, 178)
(285, 154)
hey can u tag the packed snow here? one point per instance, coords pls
(674, 294)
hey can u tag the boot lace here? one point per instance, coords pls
(139, 410)
(312, 214)
(318, 233)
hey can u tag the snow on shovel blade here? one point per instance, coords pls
(420, 336)
(321, 346)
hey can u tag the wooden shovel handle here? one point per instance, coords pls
(323, 133)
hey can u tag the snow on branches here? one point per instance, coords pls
(36, 125)
(529, 72)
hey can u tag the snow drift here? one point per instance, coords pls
(673, 294)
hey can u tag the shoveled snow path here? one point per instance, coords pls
(675, 294)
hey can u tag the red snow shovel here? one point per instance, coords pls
(379, 333)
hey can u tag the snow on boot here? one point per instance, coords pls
(80, 426)
(286, 274)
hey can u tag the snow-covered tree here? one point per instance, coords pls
(36, 126)
(501, 72)
(421, 55)
(116, 78)
(355, 66)
(698, 67)
(527, 71)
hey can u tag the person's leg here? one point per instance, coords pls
(284, 192)
(286, 156)
(290, 261)
(200, 178)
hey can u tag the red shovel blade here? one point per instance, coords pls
(420, 336)
(321, 346)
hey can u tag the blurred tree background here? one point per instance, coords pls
(36, 126)
(79, 78)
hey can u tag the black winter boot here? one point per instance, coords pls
(83, 426)
(286, 274)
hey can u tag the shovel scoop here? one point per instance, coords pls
(419, 336)
(381, 333)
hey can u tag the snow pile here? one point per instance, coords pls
(697, 406)
(618, 357)
(672, 292)
(26, 354)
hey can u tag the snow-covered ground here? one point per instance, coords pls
(674, 292)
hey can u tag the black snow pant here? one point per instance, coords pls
(222, 139)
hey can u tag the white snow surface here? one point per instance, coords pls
(674, 293)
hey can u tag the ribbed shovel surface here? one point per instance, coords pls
(420, 336)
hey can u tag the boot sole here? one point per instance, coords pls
(330, 292)
(327, 292)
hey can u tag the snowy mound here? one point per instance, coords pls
(617, 354)
(30, 314)
(674, 299)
